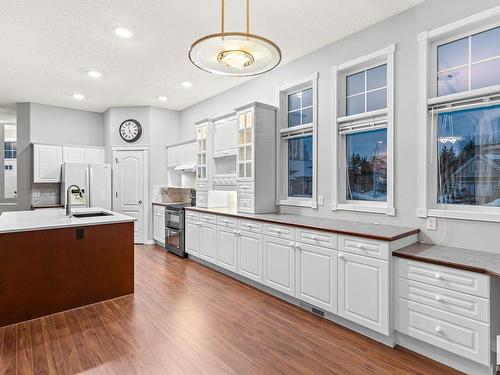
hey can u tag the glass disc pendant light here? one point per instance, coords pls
(236, 54)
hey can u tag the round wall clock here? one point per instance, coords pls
(130, 130)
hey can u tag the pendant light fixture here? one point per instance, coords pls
(236, 54)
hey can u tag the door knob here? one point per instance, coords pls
(140, 202)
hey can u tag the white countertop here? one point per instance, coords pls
(23, 221)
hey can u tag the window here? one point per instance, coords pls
(367, 90)
(459, 156)
(363, 122)
(367, 166)
(10, 160)
(297, 118)
(469, 63)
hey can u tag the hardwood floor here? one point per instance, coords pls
(187, 319)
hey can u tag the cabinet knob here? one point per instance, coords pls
(438, 299)
(341, 256)
(438, 276)
(438, 329)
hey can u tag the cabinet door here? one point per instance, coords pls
(363, 287)
(192, 232)
(279, 264)
(208, 240)
(317, 276)
(250, 255)
(245, 145)
(159, 226)
(227, 245)
(95, 155)
(225, 137)
(47, 160)
(73, 154)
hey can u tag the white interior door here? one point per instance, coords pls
(128, 184)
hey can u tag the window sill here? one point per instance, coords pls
(311, 203)
(462, 215)
(374, 209)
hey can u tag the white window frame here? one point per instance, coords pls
(427, 95)
(283, 91)
(374, 118)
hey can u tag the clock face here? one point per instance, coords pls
(130, 130)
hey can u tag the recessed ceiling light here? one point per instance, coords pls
(162, 98)
(94, 74)
(123, 33)
(187, 84)
(78, 96)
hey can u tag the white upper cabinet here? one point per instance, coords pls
(73, 154)
(95, 155)
(47, 160)
(225, 137)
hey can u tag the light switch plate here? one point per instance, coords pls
(321, 200)
(431, 223)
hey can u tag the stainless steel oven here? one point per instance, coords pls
(174, 241)
(174, 218)
(174, 228)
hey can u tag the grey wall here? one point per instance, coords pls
(59, 125)
(23, 157)
(160, 127)
(402, 30)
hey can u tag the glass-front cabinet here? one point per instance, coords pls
(201, 141)
(245, 145)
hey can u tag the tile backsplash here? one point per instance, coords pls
(45, 194)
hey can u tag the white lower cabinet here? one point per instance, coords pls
(250, 255)
(227, 245)
(208, 242)
(192, 242)
(159, 224)
(279, 264)
(317, 276)
(363, 291)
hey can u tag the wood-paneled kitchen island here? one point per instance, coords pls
(50, 262)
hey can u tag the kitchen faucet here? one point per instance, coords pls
(68, 194)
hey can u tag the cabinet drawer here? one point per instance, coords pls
(446, 300)
(445, 277)
(202, 199)
(208, 218)
(250, 226)
(317, 238)
(464, 337)
(246, 187)
(191, 215)
(245, 203)
(228, 222)
(362, 246)
(280, 231)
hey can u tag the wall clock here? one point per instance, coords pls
(130, 130)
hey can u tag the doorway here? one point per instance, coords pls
(130, 178)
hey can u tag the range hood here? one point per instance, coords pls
(189, 167)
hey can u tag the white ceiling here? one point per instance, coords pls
(46, 46)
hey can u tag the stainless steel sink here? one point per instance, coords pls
(90, 214)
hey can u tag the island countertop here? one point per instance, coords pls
(24, 221)
(367, 230)
(469, 260)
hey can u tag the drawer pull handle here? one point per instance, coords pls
(438, 330)
(359, 246)
(292, 244)
(341, 256)
(438, 299)
(438, 276)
